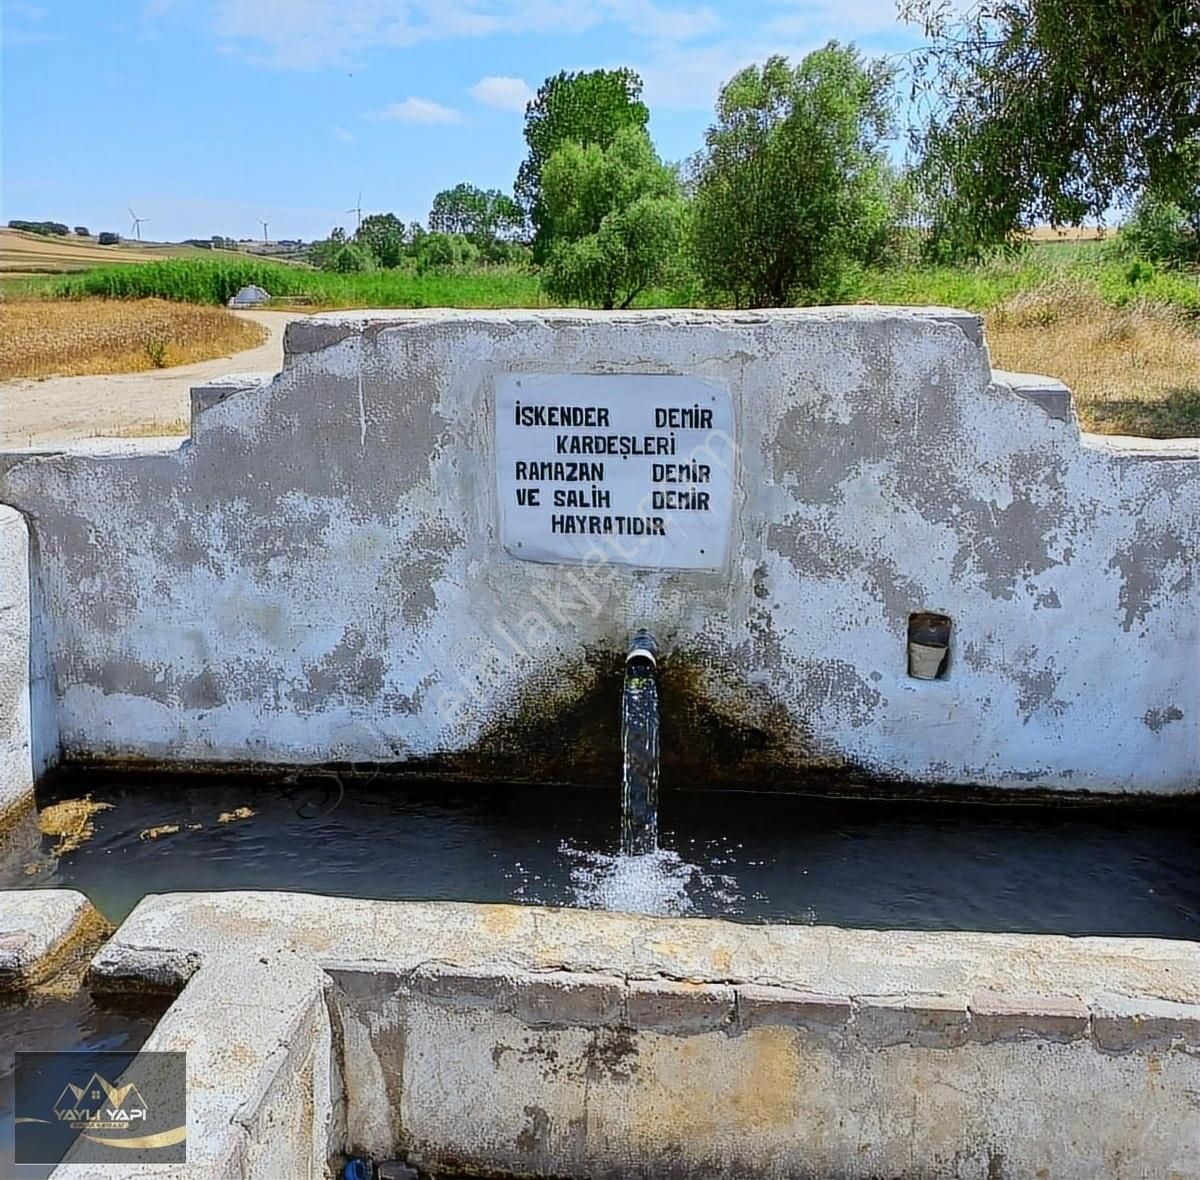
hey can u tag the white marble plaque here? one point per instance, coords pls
(634, 469)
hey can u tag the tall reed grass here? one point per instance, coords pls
(215, 281)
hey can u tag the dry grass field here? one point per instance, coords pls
(1133, 370)
(50, 338)
(1070, 233)
(24, 253)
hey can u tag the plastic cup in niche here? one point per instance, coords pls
(928, 645)
(925, 660)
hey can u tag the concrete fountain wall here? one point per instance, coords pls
(319, 574)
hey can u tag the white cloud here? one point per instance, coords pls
(342, 134)
(501, 92)
(843, 20)
(316, 34)
(660, 22)
(417, 110)
(691, 77)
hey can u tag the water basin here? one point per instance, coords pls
(57, 1023)
(1124, 870)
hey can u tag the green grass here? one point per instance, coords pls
(1089, 267)
(214, 281)
(1086, 267)
(27, 286)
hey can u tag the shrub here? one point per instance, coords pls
(156, 351)
(1159, 231)
(350, 259)
(438, 252)
(82, 231)
(108, 238)
(337, 253)
(382, 236)
(1139, 271)
(614, 217)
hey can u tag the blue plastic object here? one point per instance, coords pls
(357, 1169)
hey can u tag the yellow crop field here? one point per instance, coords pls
(1070, 233)
(47, 338)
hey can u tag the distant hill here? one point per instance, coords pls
(28, 253)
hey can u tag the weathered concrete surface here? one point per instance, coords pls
(354, 933)
(578, 1043)
(38, 928)
(16, 757)
(205, 396)
(317, 577)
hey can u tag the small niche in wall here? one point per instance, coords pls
(928, 645)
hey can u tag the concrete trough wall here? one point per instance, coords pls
(523, 1041)
(568, 1074)
(318, 576)
(16, 754)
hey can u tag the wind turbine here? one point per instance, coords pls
(264, 225)
(137, 223)
(358, 209)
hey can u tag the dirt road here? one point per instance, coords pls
(59, 409)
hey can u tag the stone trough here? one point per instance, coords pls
(511, 1040)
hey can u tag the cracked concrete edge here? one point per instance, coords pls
(14, 810)
(39, 930)
(250, 1028)
(16, 742)
(529, 963)
(141, 969)
(218, 389)
(1115, 1024)
(327, 329)
(497, 940)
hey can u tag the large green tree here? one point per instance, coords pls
(792, 186)
(617, 217)
(1053, 110)
(382, 236)
(487, 217)
(583, 108)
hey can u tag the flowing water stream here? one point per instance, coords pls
(639, 749)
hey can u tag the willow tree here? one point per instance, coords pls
(617, 218)
(1053, 111)
(792, 187)
(585, 108)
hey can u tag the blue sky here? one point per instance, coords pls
(207, 115)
